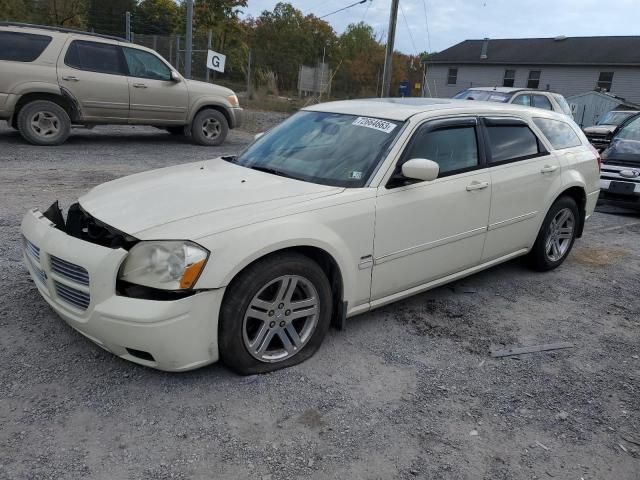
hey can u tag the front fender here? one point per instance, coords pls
(212, 101)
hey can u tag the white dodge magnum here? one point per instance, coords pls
(344, 207)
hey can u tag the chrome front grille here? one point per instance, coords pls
(69, 270)
(75, 297)
(70, 281)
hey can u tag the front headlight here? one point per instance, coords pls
(167, 265)
(233, 100)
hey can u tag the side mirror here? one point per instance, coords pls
(175, 76)
(258, 135)
(421, 169)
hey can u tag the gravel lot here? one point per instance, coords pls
(407, 391)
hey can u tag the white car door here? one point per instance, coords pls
(524, 177)
(427, 230)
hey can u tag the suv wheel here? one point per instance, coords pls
(556, 236)
(209, 127)
(275, 314)
(42, 122)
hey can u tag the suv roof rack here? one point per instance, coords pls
(62, 30)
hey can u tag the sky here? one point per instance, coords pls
(451, 21)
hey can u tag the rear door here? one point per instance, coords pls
(155, 97)
(524, 177)
(94, 74)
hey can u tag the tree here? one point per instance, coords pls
(64, 13)
(158, 17)
(108, 16)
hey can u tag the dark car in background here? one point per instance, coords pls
(620, 173)
(601, 133)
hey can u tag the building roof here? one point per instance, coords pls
(544, 51)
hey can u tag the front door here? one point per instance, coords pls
(155, 97)
(428, 230)
(524, 175)
(93, 73)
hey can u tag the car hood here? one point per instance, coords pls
(204, 88)
(197, 198)
(600, 129)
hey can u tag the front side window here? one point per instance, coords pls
(560, 134)
(22, 47)
(327, 148)
(534, 79)
(454, 149)
(96, 57)
(540, 101)
(511, 142)
(452, 76)
(605, 80)
(145, 65)
(509, 78)
(522, 100)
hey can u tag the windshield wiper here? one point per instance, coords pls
(230, 158)
(272, 171)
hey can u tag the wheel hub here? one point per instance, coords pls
(559, 235)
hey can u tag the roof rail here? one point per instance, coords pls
(62, 30)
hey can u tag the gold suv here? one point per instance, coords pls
(52, 78)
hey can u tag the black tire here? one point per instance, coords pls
(216, 120)
(55, 124)
(241, 292)
(175, 130)
(540, 257)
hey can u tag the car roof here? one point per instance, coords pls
(41, 29)
(401, 109)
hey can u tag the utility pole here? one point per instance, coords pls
(189, 40)
(386, 75)
(249, 84)
(127, 21)
(209, 37)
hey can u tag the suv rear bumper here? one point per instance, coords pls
(77, 279)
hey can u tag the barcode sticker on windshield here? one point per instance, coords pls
(375, 123)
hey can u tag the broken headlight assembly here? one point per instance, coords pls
(164, 265)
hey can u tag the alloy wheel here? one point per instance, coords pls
(560, 235)
(211, 128)
(281, 318)
(45, 124)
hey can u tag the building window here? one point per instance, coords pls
(605, 80)
(452, 77)
(509, 78)
(534, 79)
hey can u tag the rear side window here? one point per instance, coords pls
(540, 101)
(96, 57)
(22, 47)
(453, 149)
(511, 142)
(564, 106)
(559, 134)
(522, 100)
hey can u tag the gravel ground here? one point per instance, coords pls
(407, 391)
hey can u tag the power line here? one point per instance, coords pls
(426, 22)
(344, 8)
(408, 29)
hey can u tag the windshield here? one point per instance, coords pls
(625, 146)
(488, 96)
(327, 148)
(614, 118)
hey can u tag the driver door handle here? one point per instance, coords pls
(548, 168)
(475, 185)
(139, 85)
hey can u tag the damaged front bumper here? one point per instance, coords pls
(78, 280)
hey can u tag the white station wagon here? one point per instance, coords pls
(344, 207)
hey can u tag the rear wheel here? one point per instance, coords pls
(209, 127)
(556, 236)
(275, 314)
(42, 122)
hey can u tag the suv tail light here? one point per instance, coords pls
(598, 156)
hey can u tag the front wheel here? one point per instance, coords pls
(556, 236)
(209, 127)
(275, 314)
